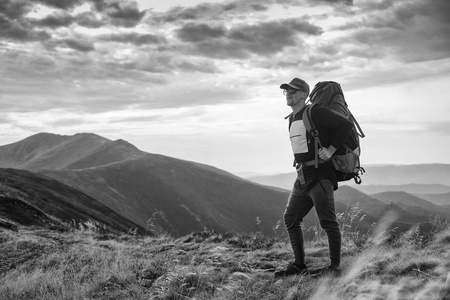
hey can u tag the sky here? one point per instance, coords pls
(200, 80)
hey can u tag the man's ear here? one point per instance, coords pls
(304, 95)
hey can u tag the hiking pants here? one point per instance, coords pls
(321, 196)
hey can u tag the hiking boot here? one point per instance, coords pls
(292, 269)
(328, 271)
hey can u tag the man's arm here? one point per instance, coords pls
(340, 125)
(325, 153)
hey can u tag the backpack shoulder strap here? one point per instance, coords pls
(311, 128)
(307, 118)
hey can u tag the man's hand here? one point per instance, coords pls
(326, 153)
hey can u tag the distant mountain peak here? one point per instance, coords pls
(56, 152)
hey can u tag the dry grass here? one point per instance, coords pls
(39, 264)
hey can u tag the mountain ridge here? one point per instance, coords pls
(175, 195)
(406, 199)
(56, 203)
(45, 150)
(390, 175)
(171, 195)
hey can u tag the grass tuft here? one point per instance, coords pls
(86, 263)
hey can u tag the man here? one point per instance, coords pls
(315, 185)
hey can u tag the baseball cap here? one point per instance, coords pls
(296, 83)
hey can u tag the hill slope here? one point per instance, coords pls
(170, 194)
(411, 201)
(438, 199)
(30, 199)
(163, 193)
(178, 196)
(412, 188)
(42, 265)
(390, 175)
(49, 151)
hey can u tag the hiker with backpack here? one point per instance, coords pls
(317, 133)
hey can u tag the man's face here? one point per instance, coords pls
(293, 97)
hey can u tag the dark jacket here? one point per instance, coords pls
(333, 129)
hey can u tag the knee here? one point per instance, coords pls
(291, 220)
(330, 226)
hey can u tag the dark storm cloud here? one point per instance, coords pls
(134, 38)
(13, 9)
(411, 30)
(243, 40)
(123, 13)
(62, 4)
(279, 31)
(20, 31)
(180, 13)
(58, 19)
(204, 11)
(119, 12)
(12, 24)
(193, 32)
(79, 45)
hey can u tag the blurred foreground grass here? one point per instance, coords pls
(83, 264)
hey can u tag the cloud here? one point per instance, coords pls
(79, 45)
(333, 2)
(20, 31)
(189, 95)
(138, 119)
(134, 38)
(258, 7)
(121, 13)
(14, 9)
(264, 39)
(211, 12)
(193, 32)
(200, 12)
(66, 122)
(210, 41)
(62, 4)
(165, 64)
(58, 19)
(413, 31)
(193, 65)
(88, 19)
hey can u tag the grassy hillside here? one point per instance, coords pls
(178, 196)
(405, 200)
(42, 264)
(30, 199)
(173, 195)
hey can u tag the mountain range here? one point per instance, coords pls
(86, 176)
(430, 182)
(153, 191)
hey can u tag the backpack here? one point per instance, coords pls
(346, 159)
